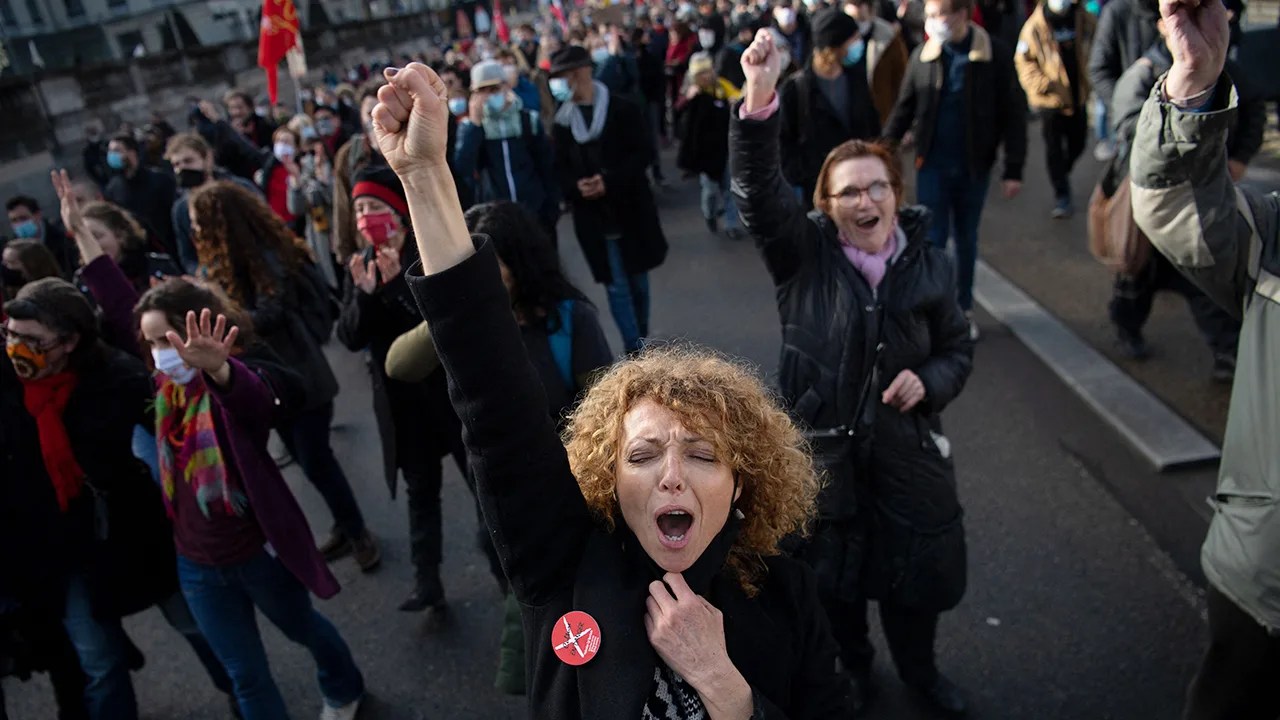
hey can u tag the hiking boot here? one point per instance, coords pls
(366, 551)
(337, 546)
(1224, 368)
(1132, 345)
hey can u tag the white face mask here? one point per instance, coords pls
(1058, 7)
(938, 29)
(707, 38)
(512, 74)
(786, 17)
(169, 362)
(283, 150)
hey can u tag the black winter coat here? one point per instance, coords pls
(622, 155)
(704, 136)
(129, 562)
(889, 472)
(559, 559)
(1126, 30)
(997, 109)
(811, 127)
(415, 420)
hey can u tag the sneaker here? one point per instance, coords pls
(1224, 368)
(1062, 209)
(337, 546)
(1132, 345)
(366, 551)
(974, 334)
(1104, 151)
(346, 712)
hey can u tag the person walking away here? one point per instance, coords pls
(1126, 30)
(86, 399)
(827, 102)
(703, 114)
(602, 174)
(262, 266)
(28, 223)
(1133, 295)
(890, 524)
(192, 159)
(148, 194)
(242, 540)
(500, 137)
(1226, 239)
(887, 55)
(377, 309)
(961, 101)
(1052, 52)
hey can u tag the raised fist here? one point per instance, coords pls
(411, 120)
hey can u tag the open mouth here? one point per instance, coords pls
(673, 527)
(867, 223)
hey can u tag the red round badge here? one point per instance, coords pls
(576, 638)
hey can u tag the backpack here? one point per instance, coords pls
(562, 345)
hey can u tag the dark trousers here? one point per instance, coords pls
(306, 435)
(1064, 137)
(910, 634)
(1132, 297)
(54, 654)
(1239, 677)
(423, 473)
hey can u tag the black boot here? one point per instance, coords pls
(428, 592)
(944, 697)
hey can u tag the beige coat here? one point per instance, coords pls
(887, 59)
(1040, 68)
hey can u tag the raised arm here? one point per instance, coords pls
(531, 503)
(769, 207)
(1183, 197)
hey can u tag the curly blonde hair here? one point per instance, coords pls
(723, 402)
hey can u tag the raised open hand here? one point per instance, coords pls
(208, 343)
(1198, 36)
(411, 120)
(67, 201)
(762, 65)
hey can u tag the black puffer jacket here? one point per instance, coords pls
(841, 340)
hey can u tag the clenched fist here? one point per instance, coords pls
(411, 120)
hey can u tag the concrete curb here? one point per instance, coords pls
(1159, 434)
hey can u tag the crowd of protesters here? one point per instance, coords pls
(178, 308)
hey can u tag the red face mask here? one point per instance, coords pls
(377, 227)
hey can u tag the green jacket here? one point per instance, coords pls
(1227, 240)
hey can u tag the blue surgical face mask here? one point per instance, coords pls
(308, 132)
(26, 229)
(495, 103)
(599, 55)
(115, 160)
(560, 89)
(457, 106)
(855, 53)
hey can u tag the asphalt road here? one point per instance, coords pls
(1082, 601)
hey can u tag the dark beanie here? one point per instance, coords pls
(380, 181)
(832, 28)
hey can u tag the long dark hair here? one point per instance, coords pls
(523, 246)
(176, 297)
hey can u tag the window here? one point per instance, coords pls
(6, 13)
(75, 8)
(33, 9)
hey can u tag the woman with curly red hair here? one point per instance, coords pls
(246, 248)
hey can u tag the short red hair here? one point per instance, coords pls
(853, 150)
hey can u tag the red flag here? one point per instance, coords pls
(277, 34)
(500, 23)
(558, 10)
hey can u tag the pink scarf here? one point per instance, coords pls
(872, 265)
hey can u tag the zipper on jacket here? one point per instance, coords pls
(506, 167)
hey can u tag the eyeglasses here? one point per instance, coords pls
(12, 337)
(877, 191)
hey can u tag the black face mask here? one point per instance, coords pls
(12, 278)
(189, 178)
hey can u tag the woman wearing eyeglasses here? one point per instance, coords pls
(874, 347)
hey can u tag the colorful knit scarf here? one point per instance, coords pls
(185, 432)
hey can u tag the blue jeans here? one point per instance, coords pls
(717, 200)
(1101, 120)
(306, 436)
(955, 198)
(223, 599)
(103, 649)
(628, 298)
(144, 448)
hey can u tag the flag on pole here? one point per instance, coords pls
(276, 36)
(557, 9)
(500, 23)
